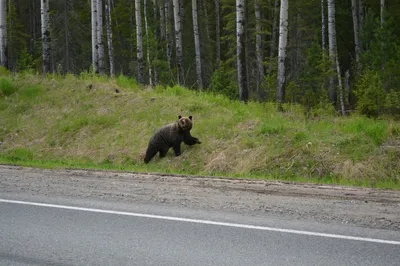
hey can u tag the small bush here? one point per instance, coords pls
(4, 71)
(371, 94)
(7, 88)
(126, 82)
(222, 83)
(176, 91)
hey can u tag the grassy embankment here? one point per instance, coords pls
(61, 122)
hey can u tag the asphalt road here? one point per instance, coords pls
(88, 232)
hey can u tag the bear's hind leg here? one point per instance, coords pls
(163, 152)
(150, 153)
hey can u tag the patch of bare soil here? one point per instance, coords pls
(372, 208)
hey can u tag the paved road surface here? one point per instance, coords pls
(95, 232)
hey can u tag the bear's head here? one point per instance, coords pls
(185, 123)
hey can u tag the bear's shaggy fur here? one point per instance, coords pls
(171, 135)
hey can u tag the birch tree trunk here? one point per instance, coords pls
(355, 29)
(333, 57)
(109, 37)
(100, 36)
(283, 33)
(168, 33)
(139, 41)
(259, 51)
(240, 51)
(273, 37)
(178, 41)
(197, 44)
(332, 48)
(46, 49)
(147, 43)
(3, 33)
(94, 36)
(217, 36)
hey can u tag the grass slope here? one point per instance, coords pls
(81, 121)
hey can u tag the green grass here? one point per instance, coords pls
(57, 121)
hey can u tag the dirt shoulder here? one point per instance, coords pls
(372, 208)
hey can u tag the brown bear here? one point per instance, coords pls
(171, 135)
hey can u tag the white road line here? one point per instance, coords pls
(178, 219)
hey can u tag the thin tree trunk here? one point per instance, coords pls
(181, 13)
(3, 33)
(197, 44)
(273, 37)
(217, 36)
(259, 50)
(361, 21)
(323, 42)
(283, 33)
(332, 49)
(347, 86)
(168, 33)
(162, 21)
(158, 28)
(203, 11)
(109, 37)
(147, 44)
(66, 14)
(382, 12)
(355, 29)
(240, 51)
(94, 36)
(382, 23)
(32, 28)
(341, 98)
(131, 26)
(100, 36)
(334, 57)
(46, 40)
(178, 41)
(139, 41)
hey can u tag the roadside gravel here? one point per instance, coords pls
(373, 208)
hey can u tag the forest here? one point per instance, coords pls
(316, 53)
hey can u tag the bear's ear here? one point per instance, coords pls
(190, 117)
(179, 116)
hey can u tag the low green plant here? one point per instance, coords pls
(126, 82)
(7, 87)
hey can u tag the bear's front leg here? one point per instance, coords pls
(177, 149)
(188, 139)
(177, 146)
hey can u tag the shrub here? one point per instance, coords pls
(7, 87)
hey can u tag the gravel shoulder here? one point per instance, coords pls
(372, 208)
